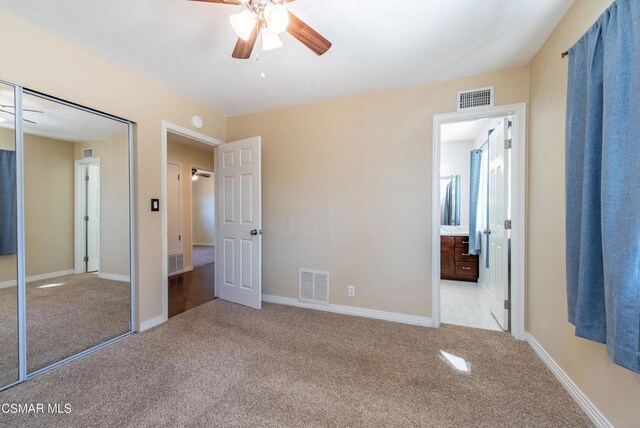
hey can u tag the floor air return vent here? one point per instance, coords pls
(314, 286)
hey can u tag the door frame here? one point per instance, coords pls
(80, 245)
(518, 208)
(211, 141)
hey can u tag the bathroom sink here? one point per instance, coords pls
(454, 230)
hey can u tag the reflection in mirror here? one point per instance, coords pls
(450, 200)
(76, 230)
(8, 230)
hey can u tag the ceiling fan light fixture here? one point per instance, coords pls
(243, 24)
(270, 40)
(277, 17)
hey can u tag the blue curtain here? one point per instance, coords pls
(474, 190)
(7, 202)
(602, 179)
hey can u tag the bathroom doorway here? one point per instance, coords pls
(477, 202)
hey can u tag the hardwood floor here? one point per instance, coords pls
(191, 289)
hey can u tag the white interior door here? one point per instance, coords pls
(498, 214)
(174, 238)
(239, 242)
(93, 218)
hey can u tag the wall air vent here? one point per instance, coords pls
(475, 98)
(313, 286)
(87, 153)
(176, 264)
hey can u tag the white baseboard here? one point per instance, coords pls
(178, 272)
(153, 322)
(351, 310)
(114, 277)
(50, 275)
(598, 419)
(205, 244)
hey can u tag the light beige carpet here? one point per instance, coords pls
(65, 315)
(224, 365)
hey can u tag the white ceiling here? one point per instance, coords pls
(377, 44)
(462, 131)
(59, 121)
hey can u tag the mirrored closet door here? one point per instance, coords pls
(8, 240)
(75, 198)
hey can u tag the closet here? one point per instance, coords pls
(66, 246)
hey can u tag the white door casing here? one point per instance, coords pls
(239, 239)
(93, 217)
(498, 214)
(174, 220)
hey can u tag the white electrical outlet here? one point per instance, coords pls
(351, 291)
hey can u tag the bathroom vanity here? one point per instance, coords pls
(455, 261)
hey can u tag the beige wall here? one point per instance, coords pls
(188, 157)
(347, 188)
(204, 211)
(49, 64)
(614, 390)
(114, 201)
(48, 206)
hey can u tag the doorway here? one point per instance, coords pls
(238, 198)
(190, 212)
(478, 219)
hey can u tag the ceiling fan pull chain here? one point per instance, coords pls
(263, 76)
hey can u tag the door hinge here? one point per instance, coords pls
(508, 143)
(507, 305)
(179, 237)
(178, 177)
(86, 258)
(86, 218)
(507, 225)
(86, 178)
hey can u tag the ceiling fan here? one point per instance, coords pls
(269, 18)
(196, 174)
(4, 107)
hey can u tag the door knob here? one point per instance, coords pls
(255, 232)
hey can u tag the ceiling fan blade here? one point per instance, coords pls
(24, 109)
(307, 35)
(202, 174)
(13, 114)
(243, 48)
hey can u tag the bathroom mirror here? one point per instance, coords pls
(450, 200)
(77, 243)
(8, 240)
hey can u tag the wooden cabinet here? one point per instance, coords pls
(455, 261)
